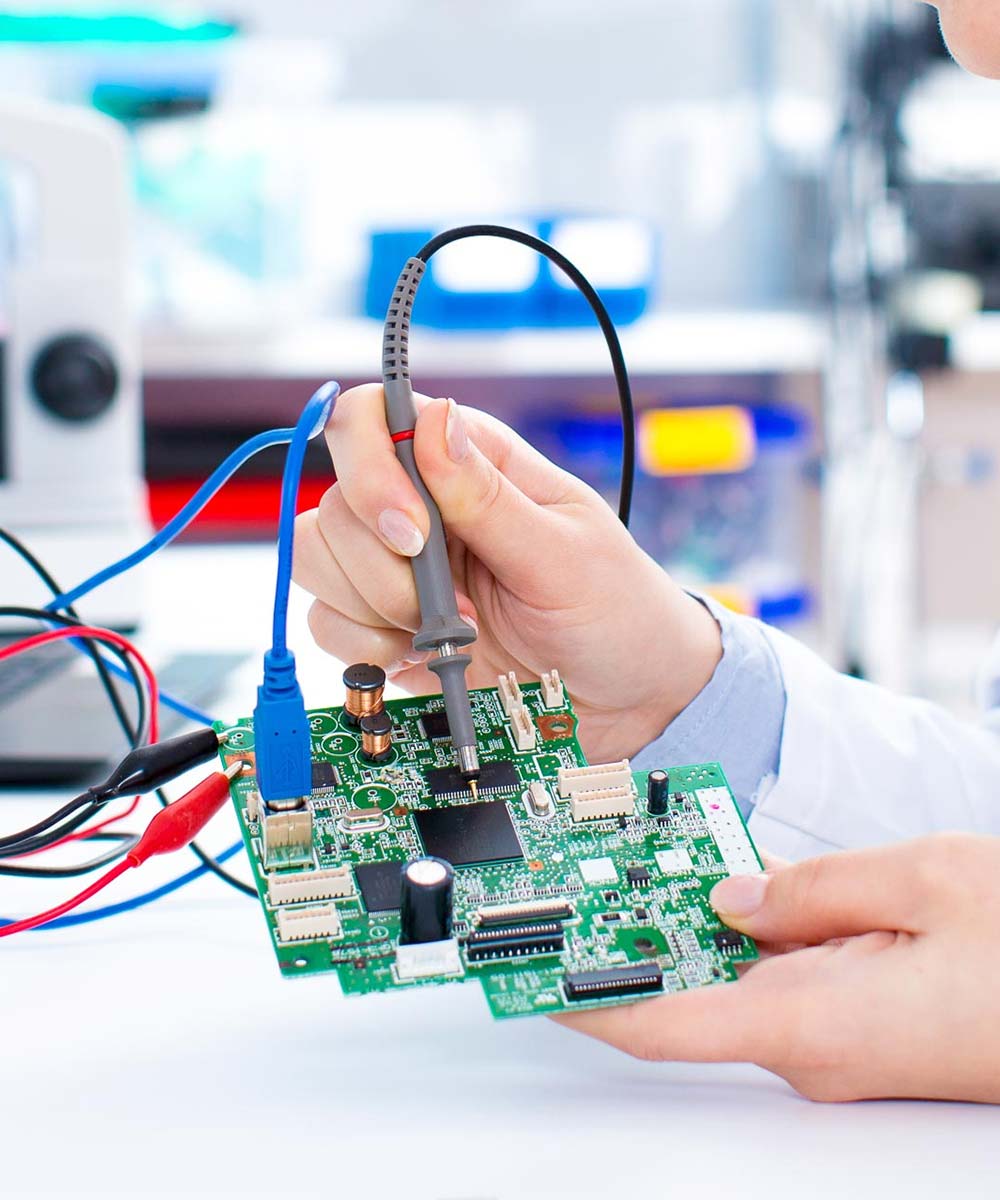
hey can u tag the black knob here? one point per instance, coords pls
(75, 377)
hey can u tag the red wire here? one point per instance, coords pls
(43, 918)
(81, 833)
(104, 635)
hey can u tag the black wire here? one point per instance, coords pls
(126, 842)
(43, 614)
(603, 319)
(103, 673)
(131, 731)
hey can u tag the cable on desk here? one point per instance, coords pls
(39, 568)
(171, 829)
(134, 902)
(136, 734)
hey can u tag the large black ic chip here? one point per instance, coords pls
(435, 726)
(379, 884)
(468, 834)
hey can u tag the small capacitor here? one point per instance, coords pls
(365, 685)
(376, 736)
(658, 792)
(425, 906)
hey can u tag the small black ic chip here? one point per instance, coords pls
(435, 726)
(380, 884)
(637, 876)
(499, 776)
(728, 939)
(324, 776)
(467, 834)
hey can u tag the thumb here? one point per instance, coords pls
(509, 529)
(835, 895)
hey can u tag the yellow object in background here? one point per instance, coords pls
(713, 440)
(733, 597)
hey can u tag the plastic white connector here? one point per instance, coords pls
(309, 924)
(604, 802)
(522, 727)
(510, 692)
(253, 806)
(310, 885)
(553, 692)
(420, 960)
(575, 780)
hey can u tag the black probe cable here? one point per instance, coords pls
(590, 294)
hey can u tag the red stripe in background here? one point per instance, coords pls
(243, 505)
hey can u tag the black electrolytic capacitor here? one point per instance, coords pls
(657, 792)
(426, 901)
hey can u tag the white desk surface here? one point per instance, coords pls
(159, 1053)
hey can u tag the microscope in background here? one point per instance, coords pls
(71, 481)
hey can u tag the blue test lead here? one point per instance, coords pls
(281, 726)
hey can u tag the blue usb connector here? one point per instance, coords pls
(281, 732)
(281, 727)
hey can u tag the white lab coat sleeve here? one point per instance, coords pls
(860, 765)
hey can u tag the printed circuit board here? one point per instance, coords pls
(568, 892)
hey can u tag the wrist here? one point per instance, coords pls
(674, 663)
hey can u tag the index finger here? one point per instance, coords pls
(373, 482)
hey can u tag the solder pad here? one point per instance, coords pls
(645, 927)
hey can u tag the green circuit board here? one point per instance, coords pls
(556, 906)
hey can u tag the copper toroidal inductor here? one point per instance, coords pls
(376, 735)
(365, 684)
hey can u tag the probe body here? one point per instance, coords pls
(442, 629)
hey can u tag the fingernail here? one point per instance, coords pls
(400, 532)
(739, 896)
(470, 620)
(456, 441)
(416, 658)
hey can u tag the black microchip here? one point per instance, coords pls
(615, 981)
(499, 776)
(435, 726)
(324, 775)
(728, 939)
(380, 884)
(467, 834)
(641, 914)
(612, 897)
(637, 876)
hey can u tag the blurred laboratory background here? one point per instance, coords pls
(792, 210)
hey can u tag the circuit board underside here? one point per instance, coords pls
(568, 892)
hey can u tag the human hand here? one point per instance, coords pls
(542, 567)
(893, 995)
